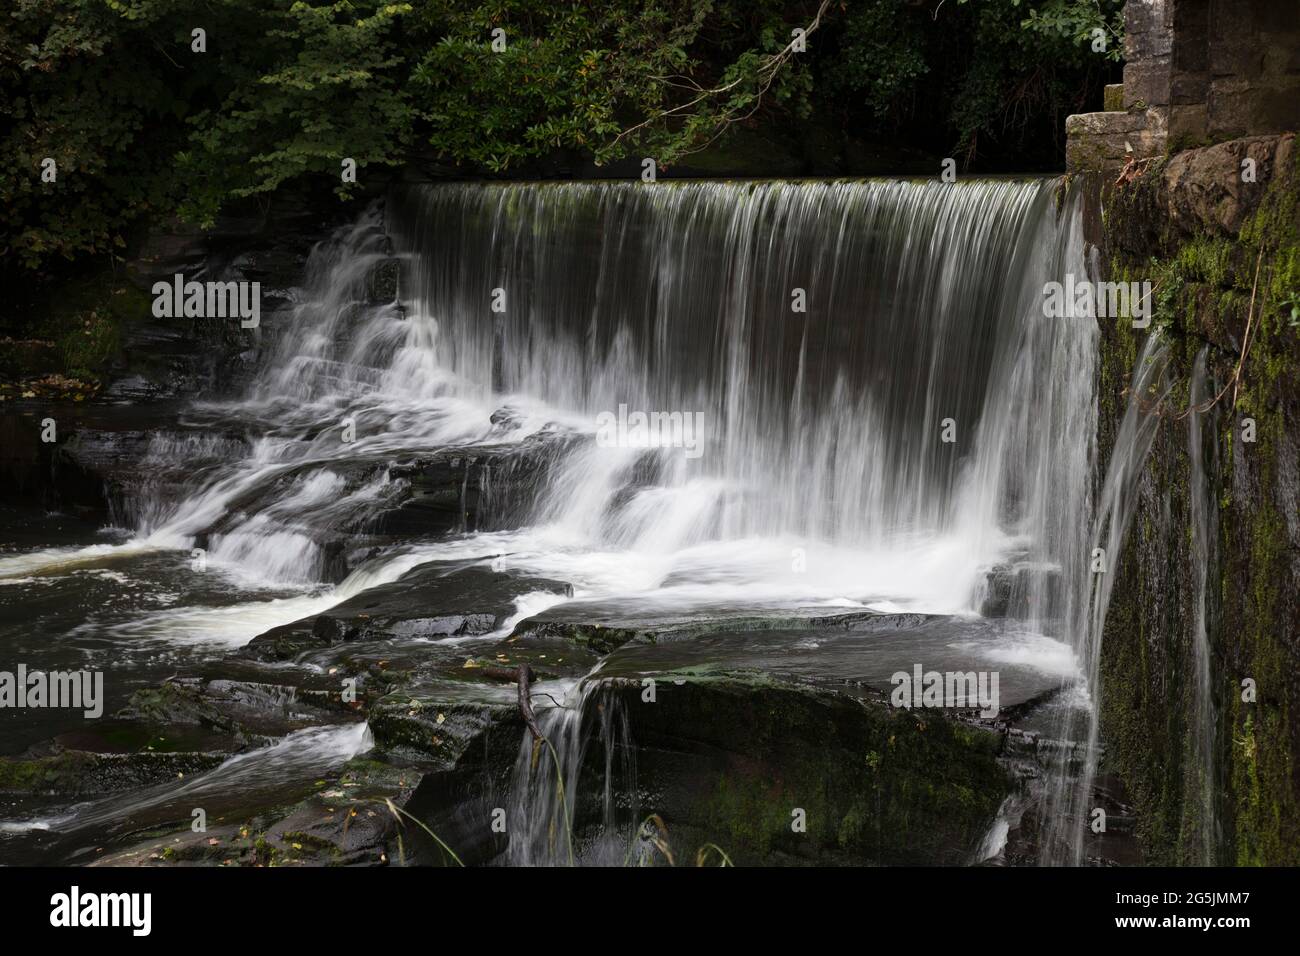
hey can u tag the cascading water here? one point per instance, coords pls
(1202, 777)
(1067, 796)
(547, 789)
(879, 391)
(922, 305)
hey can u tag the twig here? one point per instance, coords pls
(1234, 381)
(526, 701)
(394, 809)
(767, 70)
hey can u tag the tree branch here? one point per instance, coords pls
(765, 73)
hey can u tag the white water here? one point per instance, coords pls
(1202, 776)
(547, 784)
(1068, 795)
(824, 478)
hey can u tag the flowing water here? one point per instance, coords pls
(884, 417)
(548, 782)
(1067, 807)
(1204, 522)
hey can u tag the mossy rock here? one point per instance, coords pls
(80, 774)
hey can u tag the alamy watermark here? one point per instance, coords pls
(77, 909)
(639, 429)
(1083, 298)
(208, 300)
(952, 689)
(75, 690)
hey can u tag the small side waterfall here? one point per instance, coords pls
(547, 798)
(1202, 776)
(1066, 801)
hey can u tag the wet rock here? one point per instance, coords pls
(716, 730)
(596, 636)
(248, 711)
(382, 281)
(1016, 590)
(429, 602)
(434, 729)
(347, 822)
(1202, 189)
(39, 474)
(82, 774)
(603, 626)
(727, 760)
(457, 491)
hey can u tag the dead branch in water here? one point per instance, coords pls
(523, 676)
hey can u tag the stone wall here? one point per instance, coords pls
(1223, 256)
(1196, 72)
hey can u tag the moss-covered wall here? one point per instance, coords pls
(1210, 281)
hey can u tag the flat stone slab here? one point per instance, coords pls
(855, 651)
(433, 601)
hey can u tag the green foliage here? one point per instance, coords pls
(84, 350)
(1094, 24)
(76, 86)
(576, 77)
(332, 90)
(1030, 59)
(140, 124)
(1290, 304)
(881, 55)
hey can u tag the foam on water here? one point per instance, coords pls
(825, 476)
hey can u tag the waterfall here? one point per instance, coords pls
(1066, 801)
(547, 795)
(824, 333)
(921, 305)
(853, 396)
(1202, 775)
(877, 385)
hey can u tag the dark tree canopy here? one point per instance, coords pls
(138, 122)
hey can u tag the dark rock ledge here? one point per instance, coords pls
(756, 715)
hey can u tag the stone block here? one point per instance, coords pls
(1203, 190)
(1188, 125)
(1185, 88)
(1102, 142)
(1146, 82)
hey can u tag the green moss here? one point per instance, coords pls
(1206, 291)
(880, 784)
(85, 321)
